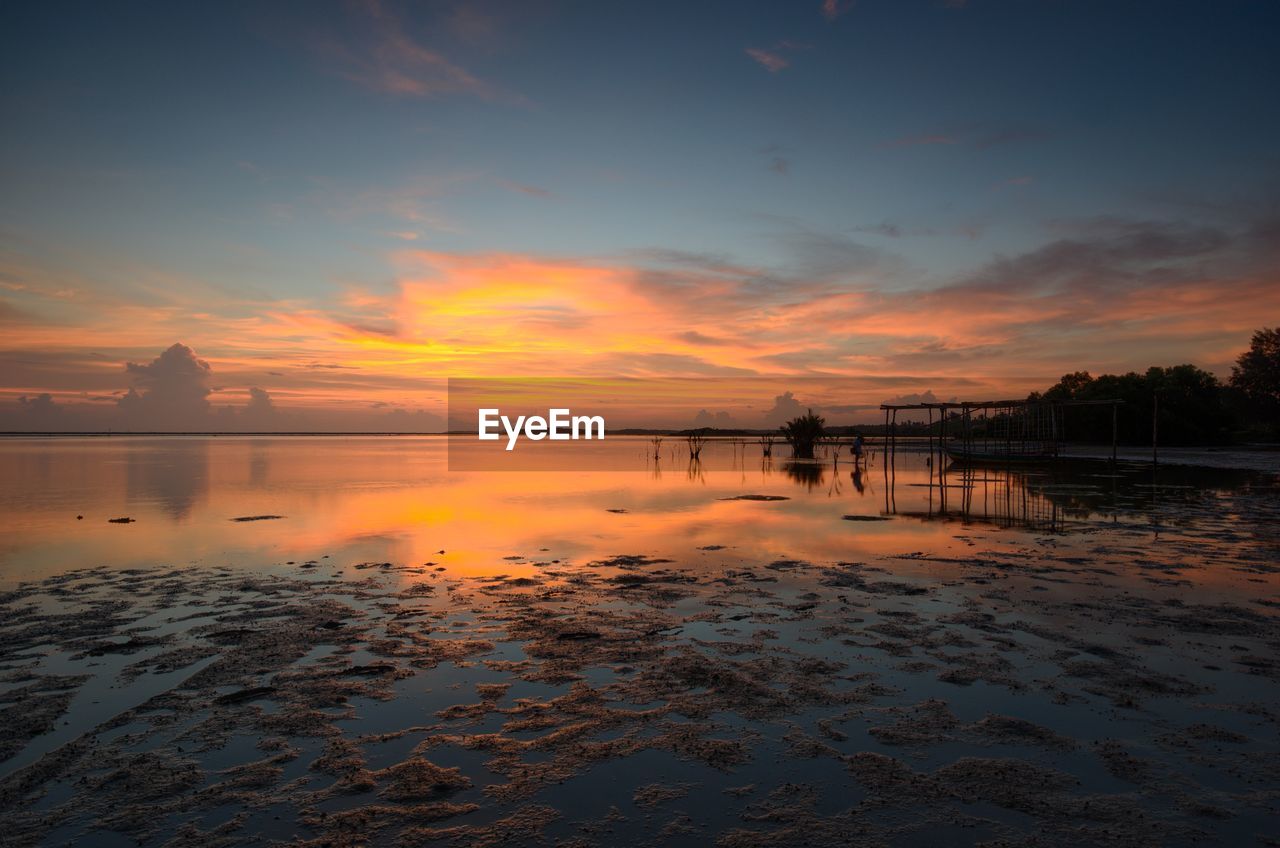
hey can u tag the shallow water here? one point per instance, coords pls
(905, 653)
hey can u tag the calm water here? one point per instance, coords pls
(760, 653)
(392, 498)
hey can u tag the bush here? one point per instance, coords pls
(804, 433)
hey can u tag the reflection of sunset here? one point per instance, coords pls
(391, 500)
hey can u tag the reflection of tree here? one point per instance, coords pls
(173, 473)
(695, 470)
(809, 474)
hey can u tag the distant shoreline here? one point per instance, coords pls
(132, 433)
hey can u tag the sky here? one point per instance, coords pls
(297, 216)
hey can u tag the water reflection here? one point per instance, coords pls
(859, 485)
(392, 498)
(259, 463)
(173, 473)
(811, 475)
(1000, 497)
(1056, 497)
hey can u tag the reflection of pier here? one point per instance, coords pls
(970, 493)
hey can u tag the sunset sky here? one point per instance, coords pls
(309, 215)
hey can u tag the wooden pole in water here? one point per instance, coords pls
(1113, 434)
(929, 430)
(893, 435)
(1155, 429)
(1053, 429)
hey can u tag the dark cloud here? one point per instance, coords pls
(40, 413)
(1115, 253)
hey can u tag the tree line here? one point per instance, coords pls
(1194, 406)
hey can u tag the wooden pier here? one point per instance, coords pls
(995, 431)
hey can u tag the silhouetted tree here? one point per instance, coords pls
(803, 433)
(1193, 408)
(1256, 376)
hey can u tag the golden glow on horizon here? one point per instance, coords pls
(504, 314)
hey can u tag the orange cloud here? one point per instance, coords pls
(1128, 297)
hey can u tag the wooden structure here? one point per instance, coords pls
(1002, 497)
(995, 432)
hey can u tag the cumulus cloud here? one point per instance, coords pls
(40, 413)
(785, 407)
(170, 392)
(720, 419)
(260, 412)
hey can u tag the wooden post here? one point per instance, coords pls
(1113, 434)
(929, 430)
(1053, 429)
(1155, 429)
